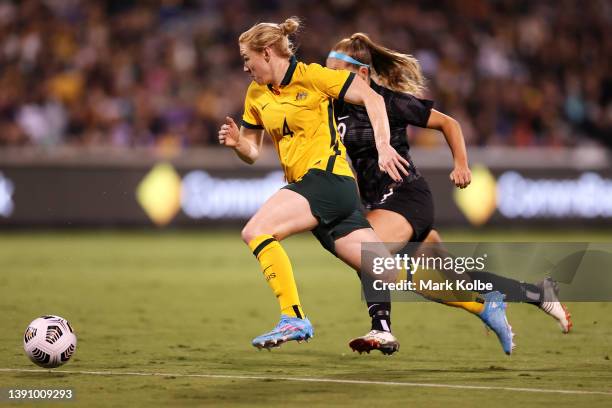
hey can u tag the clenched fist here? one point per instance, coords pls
(461, 176)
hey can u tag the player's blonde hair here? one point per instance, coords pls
(396, 71)
(275, 36)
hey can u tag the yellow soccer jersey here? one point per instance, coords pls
(299, 116)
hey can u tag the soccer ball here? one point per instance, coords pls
(49, 341)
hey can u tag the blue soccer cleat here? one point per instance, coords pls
(288, 329)
(494, 317)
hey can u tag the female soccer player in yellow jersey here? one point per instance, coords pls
(403, 212)
(293, 102)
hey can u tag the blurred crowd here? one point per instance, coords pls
(166, 72)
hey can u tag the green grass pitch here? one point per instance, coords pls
(181, 303)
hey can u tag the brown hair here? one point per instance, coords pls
(272, 35)
(396, 71)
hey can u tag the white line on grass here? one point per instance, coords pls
(316, 380)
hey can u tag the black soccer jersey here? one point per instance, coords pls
(358, 136)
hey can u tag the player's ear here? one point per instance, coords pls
(266, 54)
(364, 73)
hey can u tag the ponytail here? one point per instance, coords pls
(396, 71)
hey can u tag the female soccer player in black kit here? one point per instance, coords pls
(403, 211)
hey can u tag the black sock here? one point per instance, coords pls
(381, 315)
(379, 304)
(514, 290)
(533, 294)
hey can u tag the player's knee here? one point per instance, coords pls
(248, 233)
(252, 231)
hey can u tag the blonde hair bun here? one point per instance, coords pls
(290, 25)
(273, 35)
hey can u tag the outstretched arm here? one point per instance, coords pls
(461, 174)
(389, 160)
(245, 142)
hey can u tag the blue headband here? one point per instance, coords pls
(346, 58)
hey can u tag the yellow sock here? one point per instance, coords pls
(277, 270)
(473, 305)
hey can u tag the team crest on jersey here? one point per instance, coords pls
(301, 96)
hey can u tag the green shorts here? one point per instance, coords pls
(334, 202)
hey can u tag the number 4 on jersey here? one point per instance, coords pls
(286, 130)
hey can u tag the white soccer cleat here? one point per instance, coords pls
(375, 340)
(551, 305)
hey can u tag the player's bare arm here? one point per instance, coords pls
(388, 159)
(461, 174)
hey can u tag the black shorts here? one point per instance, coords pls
(334, 202)
(412, 200)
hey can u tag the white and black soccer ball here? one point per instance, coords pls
(49, 341)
